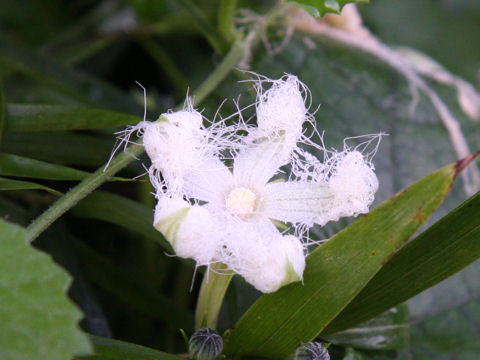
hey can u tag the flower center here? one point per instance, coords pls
(241, 202)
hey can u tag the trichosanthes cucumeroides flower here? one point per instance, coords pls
(223, 189)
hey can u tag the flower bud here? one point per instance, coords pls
(311, 351)
(205, 344)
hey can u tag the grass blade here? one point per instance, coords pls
(442, 250)
(13, 165)
(10, 184)
(337, 271)
(21, 118)
(110, 349)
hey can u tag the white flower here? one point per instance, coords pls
(213, 213)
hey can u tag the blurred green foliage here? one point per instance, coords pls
(68, 71)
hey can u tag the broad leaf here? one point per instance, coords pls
(38, 319)
(441, 251)
(13, 165)
(109, 349)
(336, 272)
(318, 8)
(10, 184)
(21, 118)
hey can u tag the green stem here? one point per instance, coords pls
(88, 185)
(226, 25)
(214, 286)
(221, 72)
(203, 24)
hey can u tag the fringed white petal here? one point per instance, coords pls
(230, 220)
(281, 109)
(298, 202)
(354, 185)
(268, 261)
(208, 182)
(189, 229)
(189, 119)
(260, 161)
(281, 112)
(173, 151)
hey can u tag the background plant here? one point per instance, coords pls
(68, 72)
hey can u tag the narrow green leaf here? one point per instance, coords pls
(439, 252)
(60, 147)
(336, 272)
(203, 24)
(38, 321)
(2, 111)
(13, 165)
(319, 8)
(20, 118)
(79, 86)
(121, 211)
(109, 349)
(388, 331)
(10, 184)
(130, 290)
(13, 212)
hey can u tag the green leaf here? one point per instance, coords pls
(81, 87)
(60, 147)
(388, 331)
(13, 165)
(357, 354)
(38, 320)
(109, 349)
(445, 317)
(121, 211)
(2, 111)
(10, 184)
(13, 212)
(433, 21)
(319, 8)
(201, 21)
(20, 118)
(439, 252)
(448, 334)
(336, 272)
(130, 290)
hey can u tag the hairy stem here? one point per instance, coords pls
(214, 286)
(88, 185)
